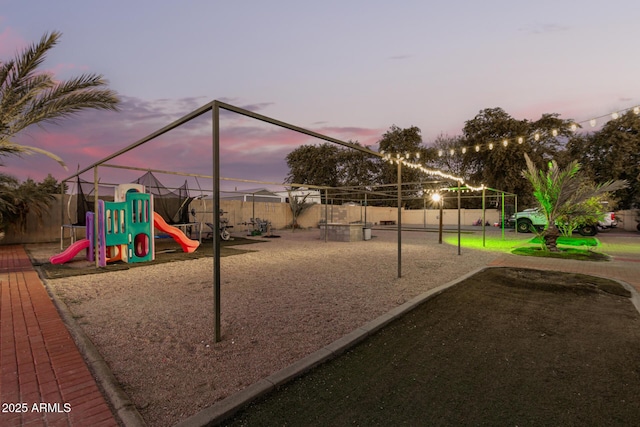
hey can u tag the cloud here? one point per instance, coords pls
(250, 149)
(544, 28)
(400, 56)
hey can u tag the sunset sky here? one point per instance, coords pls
(347, 69)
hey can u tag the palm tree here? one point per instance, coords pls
(29, 97)
(562, 192)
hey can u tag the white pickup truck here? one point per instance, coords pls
(524, 222)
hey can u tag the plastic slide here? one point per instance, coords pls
(187, 244)
(69, 253)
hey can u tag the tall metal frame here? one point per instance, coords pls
(214, 108)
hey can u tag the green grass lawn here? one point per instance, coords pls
(524, 244)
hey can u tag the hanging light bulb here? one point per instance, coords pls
(505, 142)
(614, 116)
(592, 122)
(439, 153)
(520, 140)
(418, 155)
(636, 110)
(574, 127)
(452, 152)
(477, 148)
(464, 150)
(491, 146)
(554, 132)
(536, 136)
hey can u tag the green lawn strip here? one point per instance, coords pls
(571, 241)
(563, 253)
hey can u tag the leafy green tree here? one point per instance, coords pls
(314, 165)
(446, 155)
(406, 143)
(500, 167)
(589, 213)
(18, 200)
(613, 153)
(562, 192)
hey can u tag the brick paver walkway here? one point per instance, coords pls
(45, 381)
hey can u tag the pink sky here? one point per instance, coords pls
(347, 69)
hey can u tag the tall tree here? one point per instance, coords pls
(314, 165)
(406, 143)
(31, 97)
(613, 153)
(562, 192)
(28, 96)
(500, 167)
(447, 156)
(18, 200)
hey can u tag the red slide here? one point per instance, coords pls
(69, 253)
(187, 244)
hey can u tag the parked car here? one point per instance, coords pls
(608, 221)
(526, 220)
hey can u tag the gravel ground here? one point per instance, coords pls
(293, 295)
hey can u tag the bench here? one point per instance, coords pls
(388, 222)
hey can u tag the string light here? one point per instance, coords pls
(554, 132)
(412, 165)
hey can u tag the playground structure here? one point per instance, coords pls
(123, 230)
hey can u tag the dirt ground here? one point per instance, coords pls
(504, 347)
(282, 300)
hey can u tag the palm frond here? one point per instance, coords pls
(29, 97)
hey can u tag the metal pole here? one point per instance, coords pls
(399, 218)
(484, 219)
(326, 216)
(459, 240)
(96, 238)
(516, 210)
(216, 222)
(424, 211)
(440, 228)
(365, 209)
(502, 216)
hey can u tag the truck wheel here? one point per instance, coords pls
(523, 225)
(588, 230)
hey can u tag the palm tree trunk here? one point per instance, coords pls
(550, 237)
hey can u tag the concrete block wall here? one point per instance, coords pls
(238, 212)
